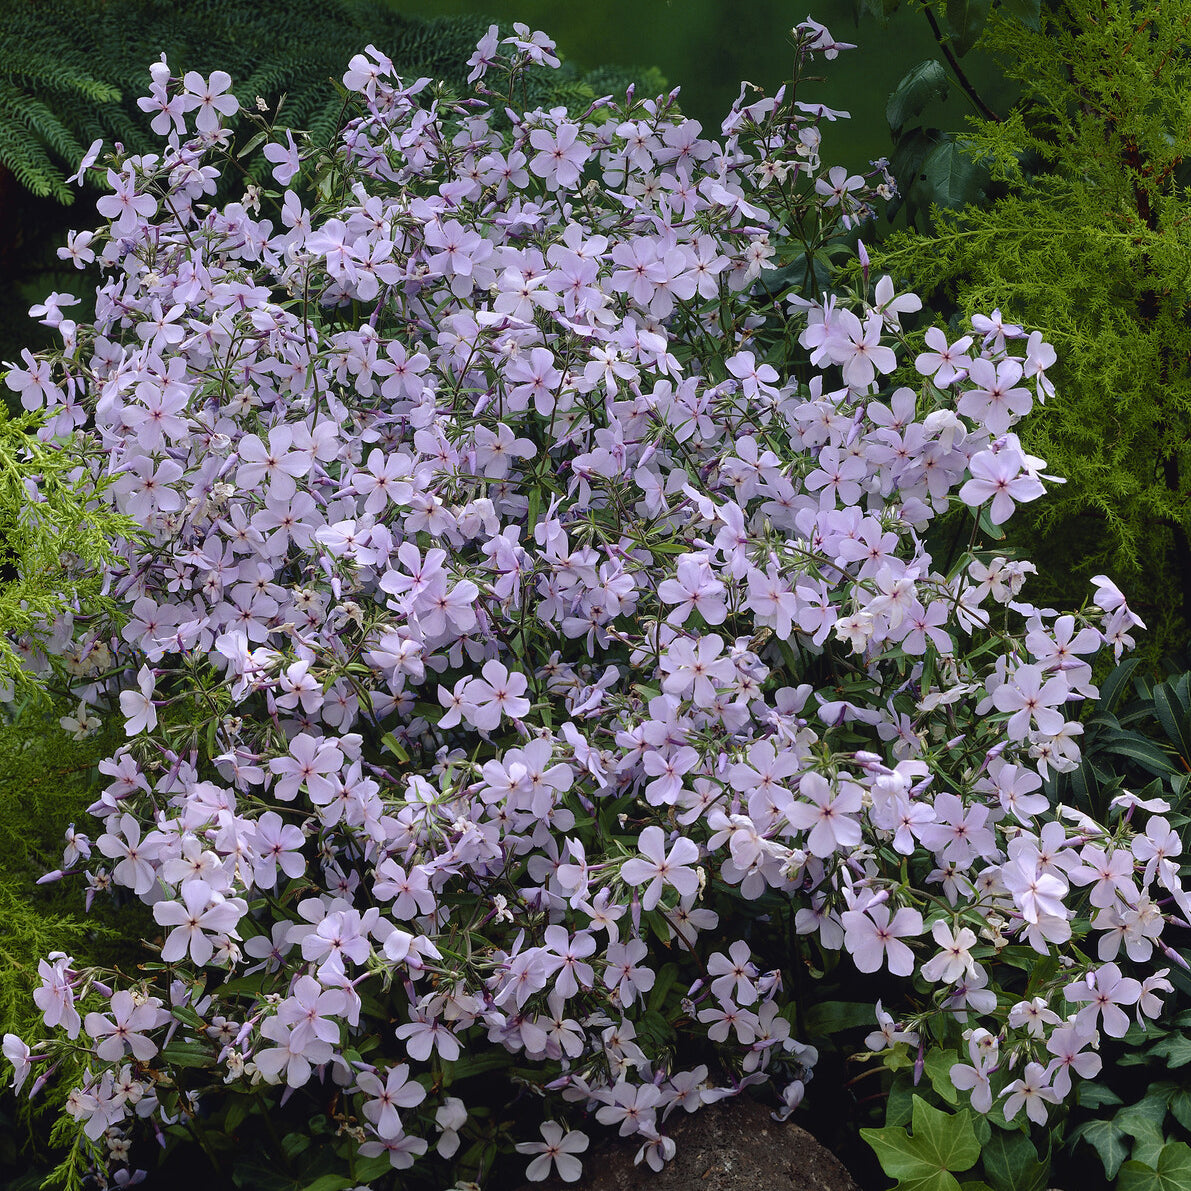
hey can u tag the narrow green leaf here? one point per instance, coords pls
(1113, 688)
(329, 1182)
(1173, 718)
(188, 1054)
(831, 1017)
(1137, 748)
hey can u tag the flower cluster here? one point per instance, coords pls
(510, 621)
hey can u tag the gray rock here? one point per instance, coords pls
(734, 1145)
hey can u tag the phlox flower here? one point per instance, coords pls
(125, 1027)
(888, 1034)
(857, 348)
(999, 477)
(426, 1034)
(139, 713)
(21, 1058)
(660, 868)
(734, 974)
(556, 1149)
(955, 958)
(1035, 1015)
(285, 159)
(1067, 1045)
(827, 814)
(982, 1047)
(560, 155)
(293, 1054)
(1030, 695)
(694, 668)
(873, 938)
(498, 693)
(55, 995)
(201, 913)
(1103, 992)
(1034, 1091)
(209, 97)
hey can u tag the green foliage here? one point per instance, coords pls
(1084, 238)
(938, 1144)
(55, 537)
(1137, 738)
(1170, 1172)
(47, 780)
(60, 90)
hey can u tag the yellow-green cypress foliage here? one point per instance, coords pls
(1091, 246)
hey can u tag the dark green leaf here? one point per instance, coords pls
(368, 1169)
(953, 180)
(1113, 688)
(1180, 1108)
(941, 1143)
(188, 1054)
(187, 1016)
(938, 1070)
(1176, 1050)
(1084, 784)
(1011, 1163)
(1108, 1141)
(1096, 1095)
(965, 23)
(1172, 715)
(831, 1017)
(881, 9)
(1029, 12)
(1172, 1173)
(927, 81)
(1143, 1122)
(330, 1182)
(1139, 750)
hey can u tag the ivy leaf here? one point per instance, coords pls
(965, 23)
(1176, 1050)
(1011, 1163)
(1172, 1173)
(942, 1142)
(1143, 1122)
(1180, 1108)
(1096, 1095)
(927, 81)
(1108, 1140)
(938, 1069)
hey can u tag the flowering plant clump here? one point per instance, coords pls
(510, 620)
